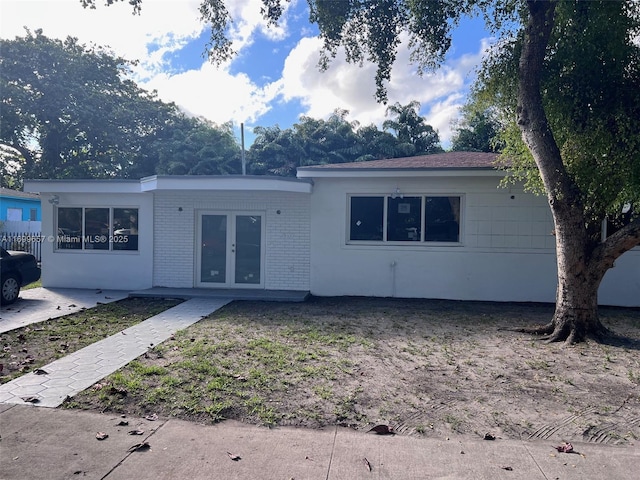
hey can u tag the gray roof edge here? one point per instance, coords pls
(82, 180)
(222, 177)
(397, 169)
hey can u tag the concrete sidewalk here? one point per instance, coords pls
(83, 368)
(42, 443)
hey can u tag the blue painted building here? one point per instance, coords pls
(18, 206)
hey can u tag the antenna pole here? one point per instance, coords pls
(244, 162)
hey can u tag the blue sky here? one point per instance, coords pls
(273, 79)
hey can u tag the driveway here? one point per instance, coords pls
(40, 304)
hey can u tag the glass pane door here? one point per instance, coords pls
(213, 253)
(247, 249)
(230, 250)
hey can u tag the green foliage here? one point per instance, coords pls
(335, 140)
(414, 135)
(591, 97)
(478, 131)
(195, 146)
(69, 111)
(66, 110)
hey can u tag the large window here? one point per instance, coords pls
(398, 219)
(97, 228)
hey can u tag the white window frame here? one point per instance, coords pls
(14, 214)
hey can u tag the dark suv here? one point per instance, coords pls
(17, 269)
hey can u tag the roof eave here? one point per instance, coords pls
(400, 172)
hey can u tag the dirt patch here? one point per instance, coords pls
(424, 367)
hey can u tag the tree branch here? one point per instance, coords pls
(617, 244)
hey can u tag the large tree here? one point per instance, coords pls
(70, 111)
(478, 130)
(314, 141)
(574, 69)
(412, 131)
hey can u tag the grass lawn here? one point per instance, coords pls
(424, 367)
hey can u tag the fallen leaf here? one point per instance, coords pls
(152, 418)
(122, 423)
(39, 371)
(233, 456)
(506, 467)
(119, 390)
(367, 464)
(488, 436)
(566, 447)
(383, 430)
(30, 399)
(102, 435)
(139, 447)
(136, 432)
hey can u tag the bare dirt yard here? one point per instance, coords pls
(424, 367)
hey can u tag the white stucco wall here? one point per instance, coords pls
(287, 234)
(507, 250)
(621, 284)
(120, 270)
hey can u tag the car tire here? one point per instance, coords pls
(10, 289)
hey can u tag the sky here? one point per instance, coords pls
(274, 78)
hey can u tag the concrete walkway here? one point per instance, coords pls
(42, 304)
(57, 444)
(83, 368)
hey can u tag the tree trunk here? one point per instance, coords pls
(580, 262)
(576, 315)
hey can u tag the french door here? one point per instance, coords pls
(230, 250)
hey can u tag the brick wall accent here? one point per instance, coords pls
(287, 234)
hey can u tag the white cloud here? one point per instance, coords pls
(215, 94)
(166, 26)
(351, 87)
(248, 21)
